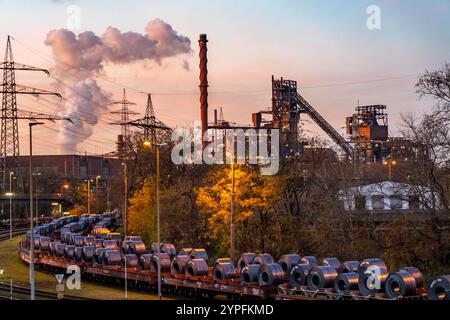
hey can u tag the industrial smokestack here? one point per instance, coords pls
(203, 83)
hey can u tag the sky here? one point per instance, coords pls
(324, 45)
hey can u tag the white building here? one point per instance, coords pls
(387, 195)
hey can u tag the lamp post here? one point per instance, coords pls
(390, 164)
(232, 233)
(97, 179)
(10, 195)
(158, 229)
(32, 284)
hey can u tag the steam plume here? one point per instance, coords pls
(78, 59)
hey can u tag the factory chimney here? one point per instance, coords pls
(203, 83)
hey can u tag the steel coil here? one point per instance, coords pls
(44, 243)
(169, 249)
(99, 243)
(179, 264)
(69, 252)
(154, 247)
(321, 277)
(363, 265)
(244, 260)
(126, 246)
(185, 252)
(36, 239)
(145, 261)
(263, 258)
(330, 262)
(439, 288)
(223, 261)
(165, 262)
(288, 261)
(223, 271)
(299, 274)
(138, 247)
(88, 253)
(196, 268)
(78, 241)
(98, 255)
(372, 280)
(130, 260)
(417, 274)
(346, 282)
(52, 247)
(112, 258)
(79, 253)
(250, 273)
(308, 260)
(400, 284)
(60, 249)
(110, 244)
(349, 266)
(199, 254)
(270, 274)
(89, 241)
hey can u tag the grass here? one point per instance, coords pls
(13, 268)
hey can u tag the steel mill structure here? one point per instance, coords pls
(101, 254)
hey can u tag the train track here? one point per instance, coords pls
(23, 293)
(4, 235)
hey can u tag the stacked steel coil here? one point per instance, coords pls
(400, 284)
(244, 260)
(79, 253)
(145, 261)
(199, 254)
(52, 248)
(78, 241)
(110, 244)
(372, 276)
(308, 260)
(349, 266)
(155, 247)
(270, 274)
(98, 243)
(60, 249)
(250, 273)
(112, 258)
(299, 274)
(130, 260)
(44, 243)
(185, 252)
(88, 253)
(223, 261)
(137, 247)
(165, 262)
(417, 274)
(196, 267)
(288, 261)
(179, 264)
(330, 262)
(89, 241)
(98, 255)
(321, 277)
(126, 246)
(439, 288)
(263, 258)
(346, 282)
(169, 249)
(223, 271)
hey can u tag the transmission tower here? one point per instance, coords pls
(150, 122)
(9, 140)
(125, 119)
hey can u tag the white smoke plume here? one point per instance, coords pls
(78, 59)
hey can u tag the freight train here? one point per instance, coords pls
(104, 256)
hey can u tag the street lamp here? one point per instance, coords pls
(232, 215)
(32, 284)
(158, 231)
(89, 195)
(10, 194)
(390, 164)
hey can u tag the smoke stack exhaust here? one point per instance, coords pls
(203, 83)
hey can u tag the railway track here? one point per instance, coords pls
(4, 235)
(23, 293)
